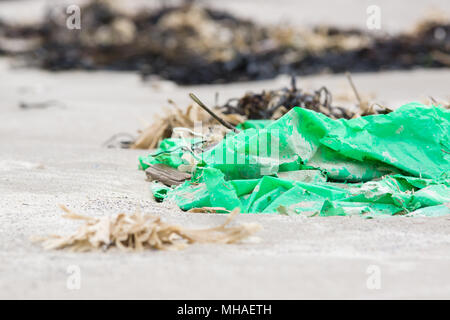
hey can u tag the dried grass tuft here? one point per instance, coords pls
(138, 231)
(163, 127)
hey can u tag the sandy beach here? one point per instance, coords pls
(55, 155)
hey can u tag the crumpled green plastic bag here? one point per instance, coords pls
(306, 163)
(391, 195)
(413, 140)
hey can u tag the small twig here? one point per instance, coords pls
(385, 109)
(42, 105)
(350, 80)
(212, 114)
(433, 100)
(293, 83)
(328, 96)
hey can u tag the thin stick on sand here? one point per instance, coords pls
(212, 114)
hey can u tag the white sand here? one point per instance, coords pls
(54, 155)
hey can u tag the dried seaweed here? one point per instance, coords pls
(175, 117)
(18, 39)
(268, 104)
(192, 44)
(339, 50)
(272, 104)
(138, 231)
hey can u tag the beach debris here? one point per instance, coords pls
(223, 122)
(164, 126)
(364, 107)
(166, 174)
(122, 140)
(138, 231)
(272, 104)
(236, 113)
(209, 210)
(191, 43)
(18, 38)
(185, 43)
(436, 102)
(309, 164)
(26, 105)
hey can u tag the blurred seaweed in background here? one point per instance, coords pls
(192, 44)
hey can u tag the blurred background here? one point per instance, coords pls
(397, 15)
(199, 42)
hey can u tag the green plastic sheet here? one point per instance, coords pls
(170, 152)
(306, 163)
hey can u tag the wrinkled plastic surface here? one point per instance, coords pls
(170, 152)
(391, 164)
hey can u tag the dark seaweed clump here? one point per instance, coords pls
(190, 44)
